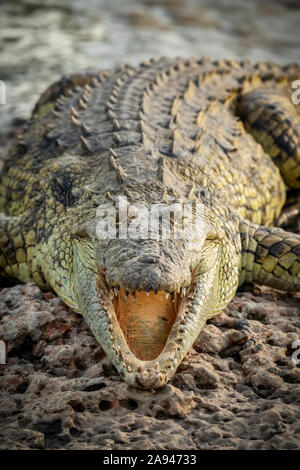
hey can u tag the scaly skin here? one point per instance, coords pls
(221, 134)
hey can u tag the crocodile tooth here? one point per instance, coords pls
(148, 293)
(184, 291)
(167, 295)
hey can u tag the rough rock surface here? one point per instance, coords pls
(237, 389)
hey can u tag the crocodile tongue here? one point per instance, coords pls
(146, 320)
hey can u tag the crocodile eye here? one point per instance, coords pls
(65, 191)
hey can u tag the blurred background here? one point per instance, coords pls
(42, 39)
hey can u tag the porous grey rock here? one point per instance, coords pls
(237, 389)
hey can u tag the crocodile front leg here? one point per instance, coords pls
(19, 255)
(270, 256)
(13, 259)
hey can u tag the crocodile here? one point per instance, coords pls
(203, 148)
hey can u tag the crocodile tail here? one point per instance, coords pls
(270, 115)
(270, 256)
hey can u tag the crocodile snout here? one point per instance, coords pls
(149, 273)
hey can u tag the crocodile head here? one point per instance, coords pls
(147, 299)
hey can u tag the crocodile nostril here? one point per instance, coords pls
(143, 269)
(148, 259)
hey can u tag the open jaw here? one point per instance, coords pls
(146, 334)
(145, 337)
(146, 319)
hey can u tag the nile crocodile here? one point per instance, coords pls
(220, 138)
